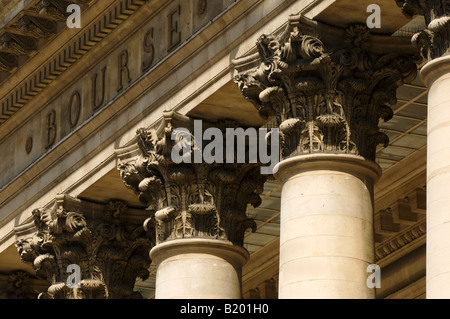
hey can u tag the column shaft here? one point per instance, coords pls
(198, 269)
(326, 241)
(328, 95)
(436, 75)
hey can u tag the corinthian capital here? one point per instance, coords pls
(192, 196)
(327, 96)
(434, 41)
(109, 246)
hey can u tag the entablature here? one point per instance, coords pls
(179, 79)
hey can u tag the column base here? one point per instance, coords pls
(198, 268)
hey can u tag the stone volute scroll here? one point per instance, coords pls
(194, 198)
(197, 205)
(107, 243)
(328, 88)
(434, 45)
(434, 41)
(327, 94)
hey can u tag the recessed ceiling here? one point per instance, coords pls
(343, 13)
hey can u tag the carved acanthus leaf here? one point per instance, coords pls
(191, 198)
(434, 41)
(110, 251)
(325, 100)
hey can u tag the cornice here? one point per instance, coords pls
(25, 29)
(71, 51)
(401, 244)
(400, 227)
(118, 109)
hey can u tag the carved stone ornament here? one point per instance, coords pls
(326, 98)
(434, 41)
(54, 9)
(36, 27)
(17, 44)
(7, 62)
(191, 199)
(110, 247)
(18, 286)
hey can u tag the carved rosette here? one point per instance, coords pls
(325, 100)
(18, 287)
(191, 199)
(110, 250)
(434, 41)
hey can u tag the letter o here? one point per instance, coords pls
(74, 110)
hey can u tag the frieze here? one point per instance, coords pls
(64, 59)
(174, 23)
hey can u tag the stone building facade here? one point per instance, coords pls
(349, 96)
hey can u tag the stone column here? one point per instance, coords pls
(436, 75)
(197, 203)
(434, 45)
(86, 250)
(328, 96)
(199, 268)
(326, 240)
